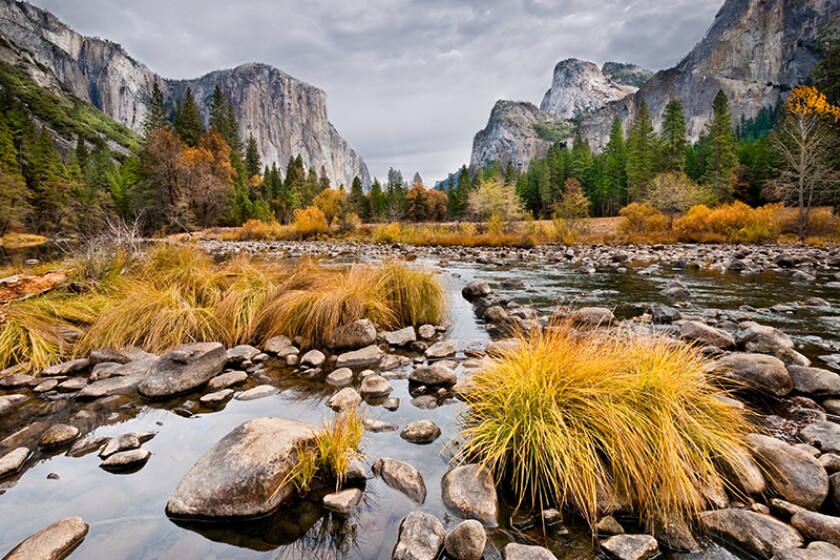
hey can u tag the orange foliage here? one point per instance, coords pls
(805, 101)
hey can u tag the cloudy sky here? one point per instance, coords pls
(409, 82)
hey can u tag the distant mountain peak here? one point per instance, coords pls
(579, 87)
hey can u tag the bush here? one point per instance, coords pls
(349, 222)
(729, 223)
(387, 233)
(310, 222)
(565, 419)
(256, 230)
(821, 222)
(641, 218)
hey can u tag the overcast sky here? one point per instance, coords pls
(409, 82)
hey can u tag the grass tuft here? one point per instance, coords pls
(566, 418)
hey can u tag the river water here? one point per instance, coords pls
(126, 511)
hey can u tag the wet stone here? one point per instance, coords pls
(402, 477)
(13, 461)
(58, 435)
(466, 541)
(216, 398)
(442, 349)
(54, 542)
(631, 547)
(258, 392)
(122, 442)
(375, 386)
(346, 399)
(340, 377)
(126, 459)
(226, 380)
(420, 537)
(313, 358)
(343, 502)
(421, 431)
(514, 551)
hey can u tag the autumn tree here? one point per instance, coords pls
(673, 192)
(331, 202)
(209, 180)
(493, 198)
(161, 196)
(573, 205)
(805, 145)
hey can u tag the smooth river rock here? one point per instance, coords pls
(13, 461)
(696, 331)
(402, 477)
(420, 538)
(817, 527)
(466, 541)
(357, 334)
(756, 371)
(420, 431)
(435, 374)
(244, 474)
(182, 370)
(470, 491)
(54, 542)
(402, 337)
(366, 357)
(126, 459)
(515, 551)
(825, 436)
(631, 547)
(58, 435)
(116, 385)
(815, 551)
(343, 502)
(793, 474)
(756, 533)
(814, 381)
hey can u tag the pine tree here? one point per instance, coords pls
(378, 202)
(722, 155)
(156, 116)
(324, 181)
(8, 153)
(614, 182)
(188, 122)
(357, 202)
(641, 156)
(674, 141)
(252, 157)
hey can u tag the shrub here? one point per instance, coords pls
(641, 218)
(694, 222)
(821, 222)
(349, 222)
(565, 418)
(495, 225)
(309, 222)
(387, 233)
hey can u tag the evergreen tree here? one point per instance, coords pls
(826, 74)
(721, 155)
(641, 154)
(378, 201)
(581, 165)
(156, 116)
(46, 164)
(82, 154)
(357, 202)
(324, 181)
(8, 152)
(674, 141)
(188, 122)
(252, 157)
(613, 192)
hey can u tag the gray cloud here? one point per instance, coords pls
(409, 81)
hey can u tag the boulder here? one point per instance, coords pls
(375, 386)
(402, 477)
(357, 334)
(54, 542)
(258, 392)
(794, 475)
(466, 541)
(245, 473)
(421, 431)
(745, 474)
(420, 538)
(58, 435)
(817, 527)
(122, 442)
(478, 288)
(313, 358)
(216, 398)
(227, 380)
(278, 345)
(182, 370)
(241, 353)
(824, 435)
(662, 314)
(815, 551)
(116, 385)
(763, 339)
(470, 491)
(696, 331)
(343, 502)
(366, 357)
(126, 459)
(756, 533)
(592, 317)
(344, 400)
(67, 368)
(441, 349)
(13, 461)
(756, 371)
(433, 375)
(426, 332)
(631, 547)
(402, 337)
(340, 377)
(514, 551)
(813, 381)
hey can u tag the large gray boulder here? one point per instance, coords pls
(54, 542)
(402, 337)
(470, 491)
(402, 477)
(756, 371)
(592, 317)
(825, 436)
(794, 474)
(478, 288)
(357, 334)
(244, 474)
(756, 533)
(813, 381)
(421, 536)
(435, 374)
(763, 339)
(702, 333)
(182, 370)
(817, 527)
(466, 541)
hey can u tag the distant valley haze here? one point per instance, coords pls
(408, 82)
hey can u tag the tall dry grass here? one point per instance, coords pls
(566, 418)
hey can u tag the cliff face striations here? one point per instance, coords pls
(755, 51)
(286, 116)
(579, 87)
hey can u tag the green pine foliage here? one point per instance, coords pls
(721, 154)
(674, 141)
(641, 154)
(188, 123)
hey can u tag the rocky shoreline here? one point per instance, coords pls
(794, 487)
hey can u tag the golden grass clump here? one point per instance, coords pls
(337, 445)
(567, 418)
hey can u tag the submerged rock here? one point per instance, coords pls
(343, 502)
(54, 542)
(420, 538)
(402, 477)
(421, 431)
(182, 370)
(124, 460)
(244, 474)
(466, 541)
